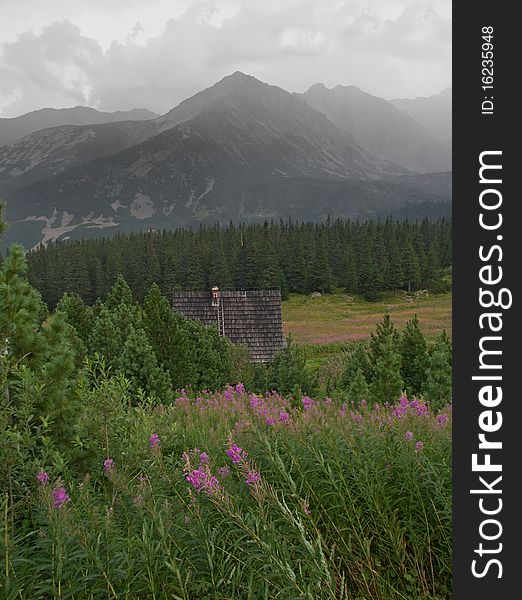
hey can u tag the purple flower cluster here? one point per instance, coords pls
(42, 477)
(236, 454)
(307, 403)
(203, 481)
(442, 419)
(60, 497)
(283, 416)
(154, 441)
(252, 477)
(412, 406)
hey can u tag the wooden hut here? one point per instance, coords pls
(252, 318)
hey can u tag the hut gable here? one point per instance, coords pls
(252, 318)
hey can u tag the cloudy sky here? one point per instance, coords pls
(122, 54)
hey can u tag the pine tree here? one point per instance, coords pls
(37, 359)
(357, 361)
(384, 330)
(168, 336)
(138, 363)
(414, 354)
(410, 268)
(387, 383)
(437, 387)
(358, 389)
(288, 371)
(120, 294)
(350, 280)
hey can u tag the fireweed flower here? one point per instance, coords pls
(204, 458)
(442, 419)
(154, 441)
(270, 420)
(235, 453)
(42, 477)
(356, 418)
(203, 481)
(307, 402)
(60, 497)
(283, 416)
(252, 477)
(408, 435)
(419, 446)
(240, 388)
(108, 464)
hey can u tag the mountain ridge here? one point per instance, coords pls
(239, 150)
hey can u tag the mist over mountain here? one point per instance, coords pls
(381, 127)
(14, 129)
(239, 150)
(432, 112)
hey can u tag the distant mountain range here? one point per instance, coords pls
(15, 129)
(384, 129)
(239, 150)
(432, 112)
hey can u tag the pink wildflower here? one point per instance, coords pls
(442, 419)
(204, 458)
(283, 416)
(154, 440)
(252, 477)
(408, 435)
(60, 497)
(224, 471)
(419, 446)
(42, 477)
(203, 481)
(307, 402)
(108, 464)
(235, 453)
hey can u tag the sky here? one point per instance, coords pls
(123, 54)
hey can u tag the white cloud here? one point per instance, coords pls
(121, 54)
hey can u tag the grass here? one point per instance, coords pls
(326, 326)
(335, 319)
(346, 503)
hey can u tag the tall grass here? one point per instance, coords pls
(234, 495)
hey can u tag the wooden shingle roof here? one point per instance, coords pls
(252, 317)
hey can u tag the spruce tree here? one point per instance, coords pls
(139, 364)
(37, 353)
(414, 354)
(357, 361)
(437, 387)
(358, 389)
(387, 383)
(168, 336)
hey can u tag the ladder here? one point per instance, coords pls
(220, 318)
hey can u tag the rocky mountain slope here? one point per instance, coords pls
(240, 150)
(381, 127)
(16, 128)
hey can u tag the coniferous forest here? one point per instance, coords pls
(360, 258)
